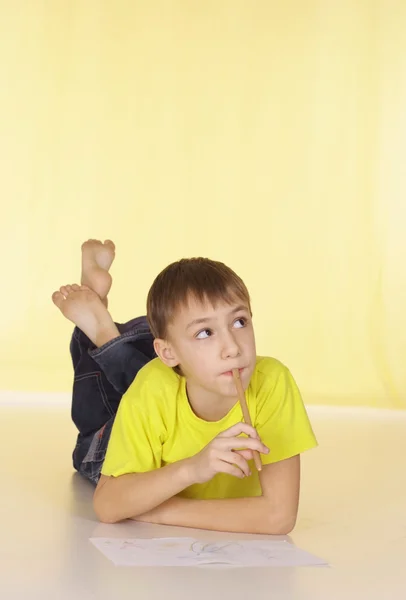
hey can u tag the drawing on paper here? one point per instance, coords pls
(189, 552)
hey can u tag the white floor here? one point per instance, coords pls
(353, 514)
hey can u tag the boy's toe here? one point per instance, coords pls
(58, 299)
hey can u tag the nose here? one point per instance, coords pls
(230, 347)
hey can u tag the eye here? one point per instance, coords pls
(204, 334)
(240, 323)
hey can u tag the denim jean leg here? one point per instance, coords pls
(94, 399)
(91, 465)
(122, 358)
(102, 376)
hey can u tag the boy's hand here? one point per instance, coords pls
(227, 453)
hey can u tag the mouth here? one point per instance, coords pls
(230, 373)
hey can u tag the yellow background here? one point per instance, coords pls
(267, 134)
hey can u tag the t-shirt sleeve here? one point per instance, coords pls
(282, 421)
(135, 444)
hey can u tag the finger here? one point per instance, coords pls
(226, 467)
(239, 428)
(236, 459)
(238, 443)
(247, 454)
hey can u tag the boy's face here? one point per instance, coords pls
(207, 343)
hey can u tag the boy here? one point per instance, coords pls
(175, 453)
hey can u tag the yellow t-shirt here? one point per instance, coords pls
(155, 426)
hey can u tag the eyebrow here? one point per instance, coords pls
(203, 320)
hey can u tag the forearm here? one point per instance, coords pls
(239, 515)
(119, 498)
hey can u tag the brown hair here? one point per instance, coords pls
(200, 278)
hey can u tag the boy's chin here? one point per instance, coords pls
(228, 390)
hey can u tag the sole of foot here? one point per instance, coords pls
(97, 258)
(83, 307)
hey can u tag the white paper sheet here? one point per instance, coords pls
(189, 552)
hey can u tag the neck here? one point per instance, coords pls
(207, 405)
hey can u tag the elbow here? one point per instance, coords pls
(287, 526)
(104, 509)
(105, 517)
(280, 524)
(104, 514)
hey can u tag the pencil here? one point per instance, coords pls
(246, 414)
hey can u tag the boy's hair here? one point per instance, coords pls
(203, 279)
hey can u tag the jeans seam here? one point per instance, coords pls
(125, 337)
(76, 337)
(104, 397)
(87, 375)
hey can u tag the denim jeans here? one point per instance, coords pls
(101, 377)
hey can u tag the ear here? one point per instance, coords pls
(166, 352)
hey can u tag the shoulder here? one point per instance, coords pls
(156, 374)
(272, 379)
(156, 383)
(280, 414)
(268, 370)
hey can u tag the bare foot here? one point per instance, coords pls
(86, 310)
(97, 258)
